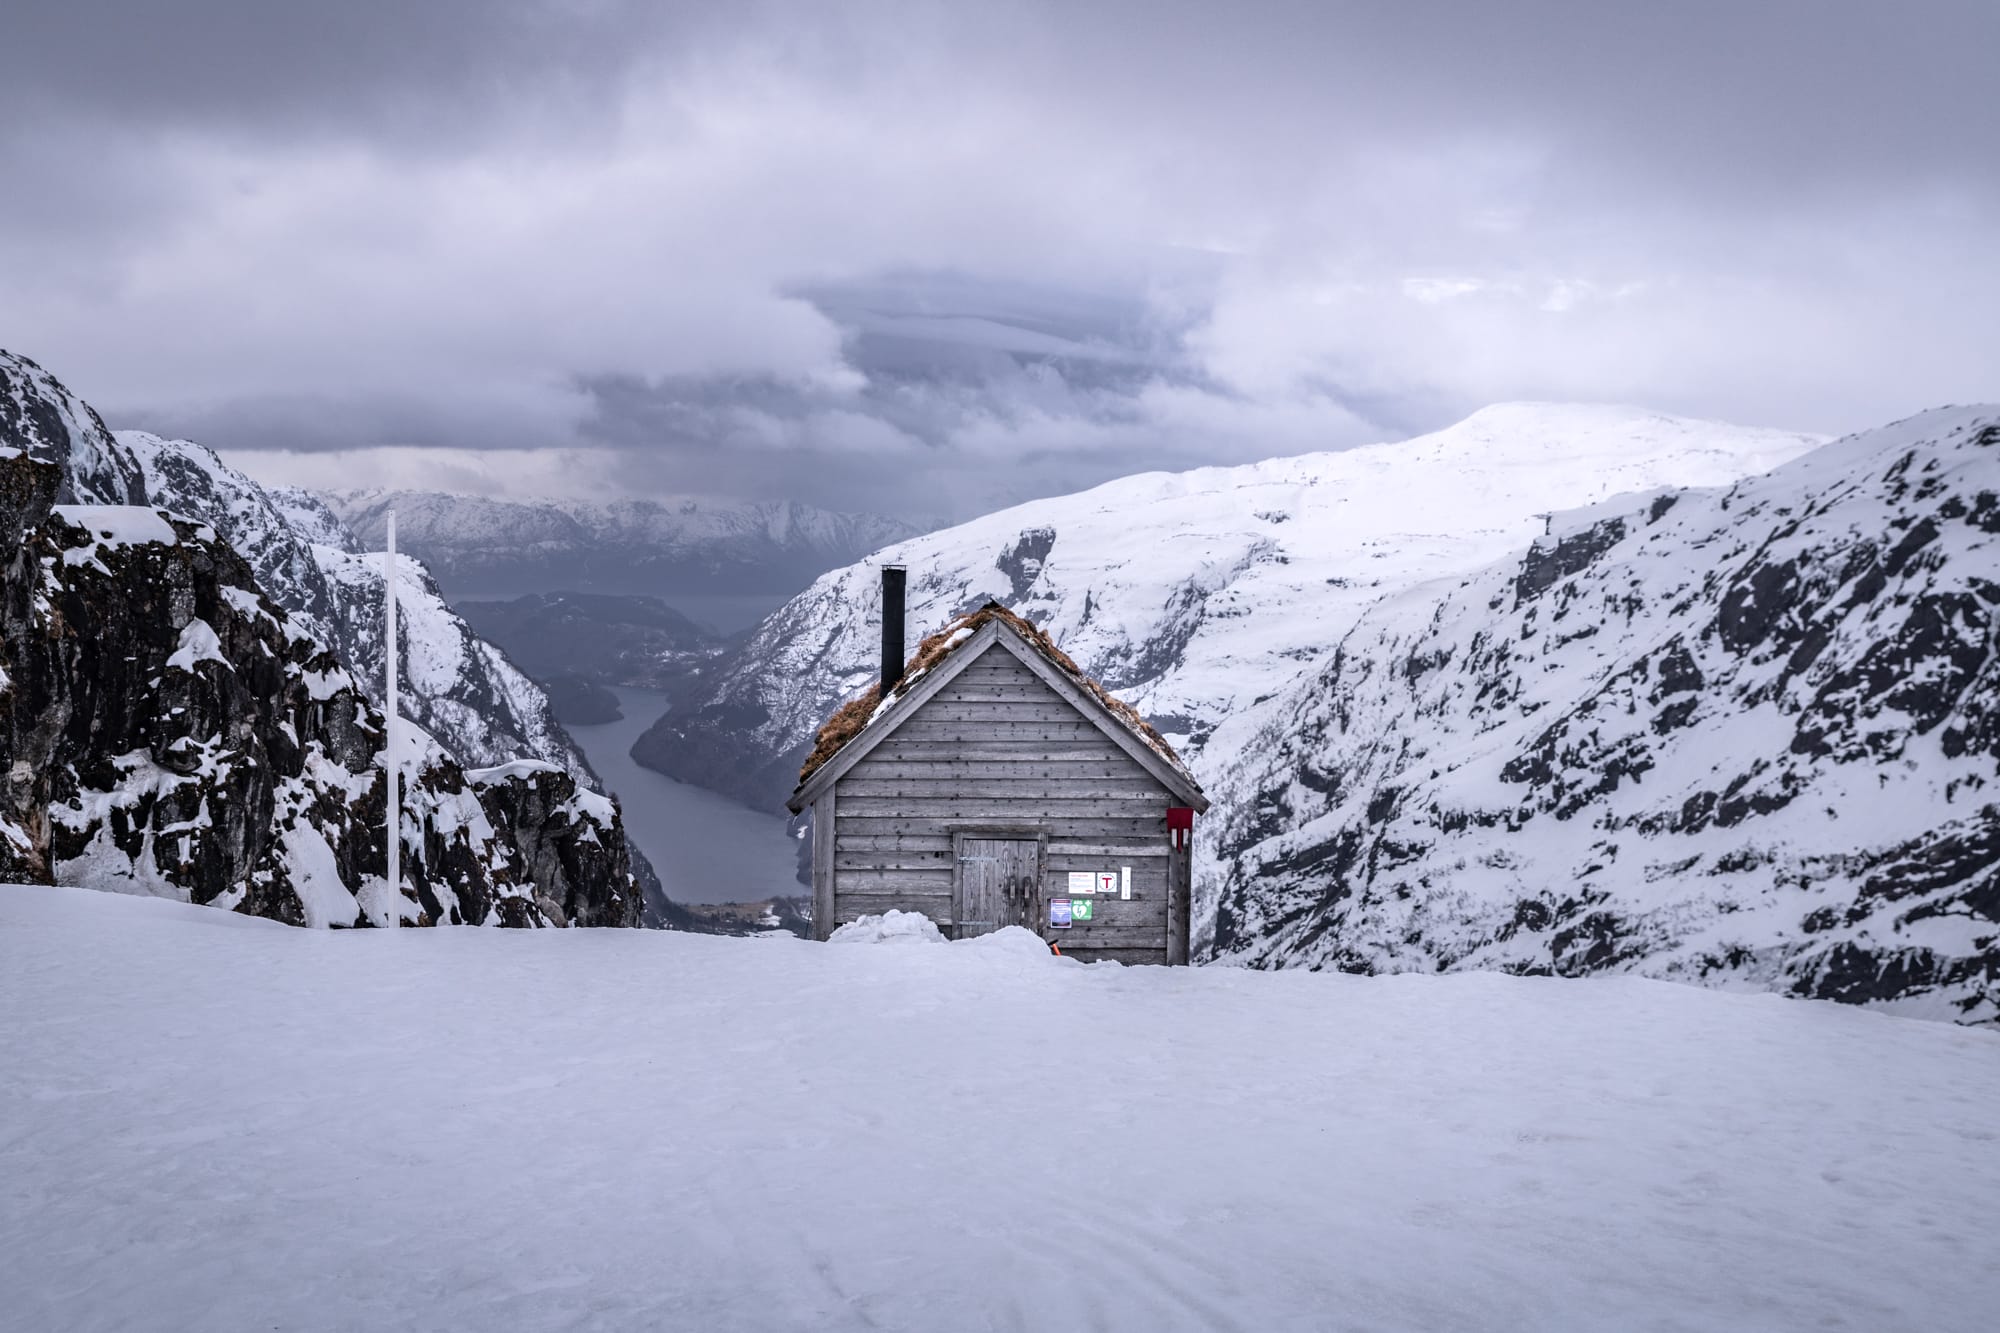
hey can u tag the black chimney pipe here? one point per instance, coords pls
(892, 627)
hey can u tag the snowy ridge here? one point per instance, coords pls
(41, 419)
(309, 517)
(1746, 736)
(1196, 596)
(188, 479)
(457, 685)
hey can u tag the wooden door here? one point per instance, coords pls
(1000, 884)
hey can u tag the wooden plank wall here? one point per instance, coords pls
(823, 860)
(999, 747)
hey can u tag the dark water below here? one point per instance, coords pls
(707, 849)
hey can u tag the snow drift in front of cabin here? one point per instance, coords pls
(898, 927)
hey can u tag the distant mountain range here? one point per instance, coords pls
(614, 640)
(475, 545)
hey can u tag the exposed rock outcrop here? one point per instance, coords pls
(564, 834)
(458, 687)
(168, 728)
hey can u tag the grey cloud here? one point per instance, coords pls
(942, 254)
(1774, 93)
(387, 70)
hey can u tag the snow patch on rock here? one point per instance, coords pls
(198, 643)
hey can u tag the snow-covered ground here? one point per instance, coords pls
(213, 1122)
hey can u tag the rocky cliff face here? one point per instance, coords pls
(456, 686)
(566, 836)
(171, 729)
(1197, 596)
(1747, 736)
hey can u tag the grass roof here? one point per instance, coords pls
(855, 716)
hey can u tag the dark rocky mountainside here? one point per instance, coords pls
(598, 639)
(166, 727)
(1742, 737)
(456, 686)
(580, 702)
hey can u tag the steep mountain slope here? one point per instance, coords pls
(458, 687)
(605, 640)
(1747, 736)
(1196, 595)
(454, 684)
(309, 517)
(628, 546)
(170, 729)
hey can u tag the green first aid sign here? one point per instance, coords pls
(1082, 909)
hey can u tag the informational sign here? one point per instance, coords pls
(1059, 913)
(1082, 910)
(1082, 881)
(1107, 881)
(1125, 881)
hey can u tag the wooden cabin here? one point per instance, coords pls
(998, 785)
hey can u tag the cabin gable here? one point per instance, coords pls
(990, 635)
(990, 769)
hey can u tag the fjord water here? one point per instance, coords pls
(706, 848)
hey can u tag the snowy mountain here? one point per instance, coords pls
(476, 544)
(1746, 736)
(1197, 595)
(309, 517)
(170, 728)
(457, 686)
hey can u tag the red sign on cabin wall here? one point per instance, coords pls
(1180, 826)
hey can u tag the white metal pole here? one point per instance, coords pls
(394, 828)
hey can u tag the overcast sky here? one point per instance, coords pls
(928, 259)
